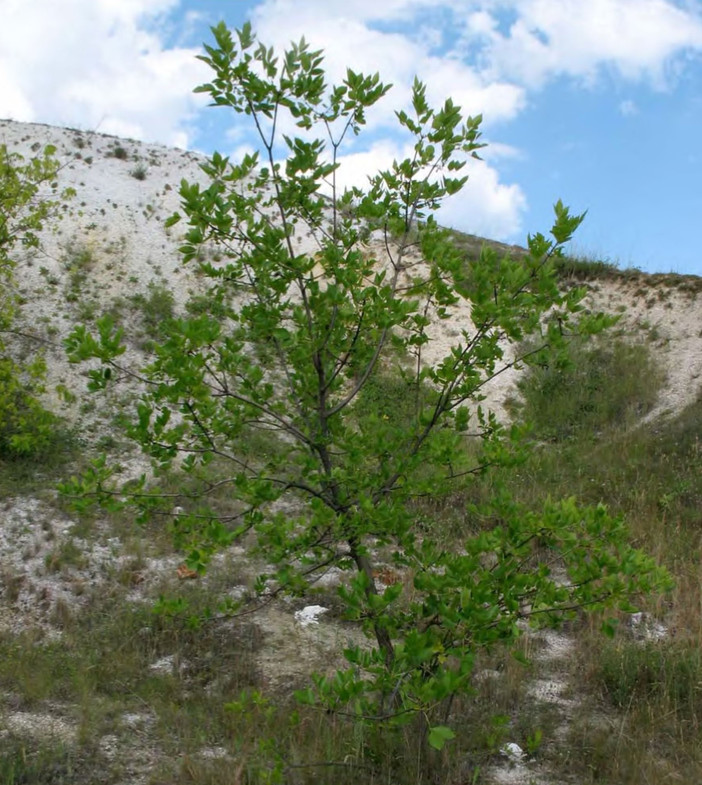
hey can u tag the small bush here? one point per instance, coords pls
(119, 152)
(78, 260)
(206, 304)
(584, 269)
(388, 397)
(140, 171)
(156, 306)
(26, 428)
(602, 387)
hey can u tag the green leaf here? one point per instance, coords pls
(439, 735)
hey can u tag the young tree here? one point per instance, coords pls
(268, 396)
(25, 426)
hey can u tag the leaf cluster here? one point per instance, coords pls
(25, 426)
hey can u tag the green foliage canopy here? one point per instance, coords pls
(26, 427)
(299, 342)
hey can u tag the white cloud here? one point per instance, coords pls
(341, 30)
(486, 206)
(13, 103)
(639, 39)
(355, 168)
(361, 10)
(628, 108)
(510, 47)
(96, 64)
(496, 151)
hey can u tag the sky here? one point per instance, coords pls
(595, 102)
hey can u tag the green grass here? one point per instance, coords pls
(590, 443)
(606, 386)
(41, 764)
(100, 669)
(659, 674)
(648, 697)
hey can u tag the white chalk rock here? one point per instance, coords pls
(309, 615)
(514, 752)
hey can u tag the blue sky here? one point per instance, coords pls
(596, 102)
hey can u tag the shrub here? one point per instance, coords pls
(156, 308)
(25, 427)
(316, 341)
(119, 152)
(592, 389)
(140, 171)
